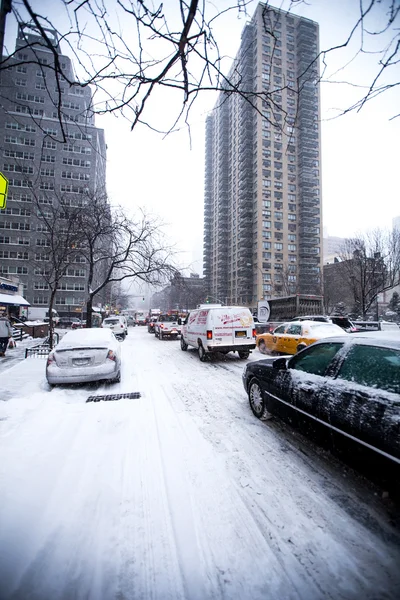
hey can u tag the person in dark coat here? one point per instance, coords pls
(5, 333)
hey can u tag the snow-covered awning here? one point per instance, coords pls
(11, 300)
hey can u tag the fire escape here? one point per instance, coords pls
(309, 232)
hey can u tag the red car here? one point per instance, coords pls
(78, 325)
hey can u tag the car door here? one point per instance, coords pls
(274, 341)
(363, 400)
(291, 339)
(302, 385)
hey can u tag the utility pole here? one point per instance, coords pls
(5, 8)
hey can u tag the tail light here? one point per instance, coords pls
(209, 335)
(161, 326)
(254, 333)
(111, 355)
(50, 359)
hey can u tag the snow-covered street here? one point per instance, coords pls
(181, 493)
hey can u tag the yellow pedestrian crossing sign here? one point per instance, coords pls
(3, 190)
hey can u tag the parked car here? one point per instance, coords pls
(167, 326)
(292, 337)
(347, 384)
(216, 328)
(67, 321)
(85, 355)
(151, 325)
(343, 322)
(117, 324)
(377, 326)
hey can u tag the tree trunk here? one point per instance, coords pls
(51, 322)
(89, 305)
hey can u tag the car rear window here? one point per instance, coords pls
(111, 321)
(374, 367)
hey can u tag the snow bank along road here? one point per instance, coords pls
(181, 494)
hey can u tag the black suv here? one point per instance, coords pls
(343, 322)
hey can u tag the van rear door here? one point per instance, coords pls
(232, 326)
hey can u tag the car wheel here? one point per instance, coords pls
(184, 345)
(257, 401)
(262, 347)
(244, 354)
(202, 353)
(117, 379)
(301, 347)
(160, 335)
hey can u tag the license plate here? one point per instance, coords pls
(81, 361)
(174, 331)
(240, 334)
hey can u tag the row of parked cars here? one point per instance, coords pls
(346, 384)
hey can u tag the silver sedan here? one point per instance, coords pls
(85, 355)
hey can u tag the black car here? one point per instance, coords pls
(67, 321)
(349, 387)
(343, 322)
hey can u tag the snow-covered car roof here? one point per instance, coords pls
(318, 328)
(389, 339)
(87, 337)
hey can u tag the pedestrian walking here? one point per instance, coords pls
(5, 333)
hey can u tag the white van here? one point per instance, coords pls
(215, 328)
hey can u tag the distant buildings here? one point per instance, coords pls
(183, 293)
(39, 163)
(262, 206)
(332, 248)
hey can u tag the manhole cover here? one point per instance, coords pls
(110, 397)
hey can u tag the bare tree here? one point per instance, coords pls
(58, 244)
(174, 49)
(117, 247)
(371, 265)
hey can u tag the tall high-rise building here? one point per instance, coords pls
(51, 152)
(262, 208)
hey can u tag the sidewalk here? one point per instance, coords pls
(15, 355)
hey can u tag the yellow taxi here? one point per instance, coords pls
(292, 337)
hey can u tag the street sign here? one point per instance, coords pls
(3, 190)
(263, 311)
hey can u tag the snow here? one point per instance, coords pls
(180, 494)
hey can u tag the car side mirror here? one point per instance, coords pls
(280, 364)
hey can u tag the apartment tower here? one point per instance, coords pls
(51, 152)
(262, 208)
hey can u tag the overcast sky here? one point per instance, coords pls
(360, 162)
